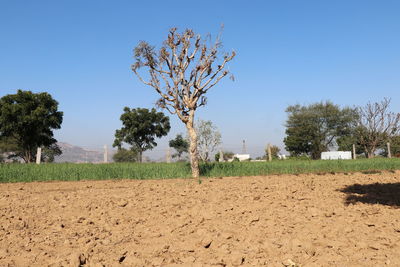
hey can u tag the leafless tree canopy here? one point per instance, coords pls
(377, 124)
(182, 71)
(209, 138)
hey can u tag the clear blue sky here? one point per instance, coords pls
(288, 52)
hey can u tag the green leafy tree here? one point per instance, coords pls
(182, 71)
(313, 129)
(125, 155)
(180, 145)
(140, 128)
(28, 119)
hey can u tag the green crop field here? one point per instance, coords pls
(75, 172)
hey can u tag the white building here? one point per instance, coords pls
(241, 157)
(336, 155)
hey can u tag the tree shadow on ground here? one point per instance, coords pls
(384, 194)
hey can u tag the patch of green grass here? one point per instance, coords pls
(75, 172)
(299, 166)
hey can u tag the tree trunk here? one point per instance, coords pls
(140, 155)
(27, 156)
(194, 156)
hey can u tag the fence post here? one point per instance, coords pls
(105, 154)
(269, 152)
(168, 156)
(38, 155)
(389, 152)
(354, 152)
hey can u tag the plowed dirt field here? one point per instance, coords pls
(279, 220)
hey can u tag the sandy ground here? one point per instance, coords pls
(282, 220)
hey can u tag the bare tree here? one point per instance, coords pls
(376, 124)
(182, 72)
(208, 139)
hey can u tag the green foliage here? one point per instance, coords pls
(49, 153)
(345, 143)
(180, 145)
(8, 144)
(125, 155)
(27, 121)
(73, 172)
(140, 128)
(313, 129)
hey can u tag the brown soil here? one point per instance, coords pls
(282, 220)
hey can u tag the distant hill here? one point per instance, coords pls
(78, 154)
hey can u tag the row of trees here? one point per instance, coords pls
(142, 126)
(27, 121)
(181, 71)
(322, 126)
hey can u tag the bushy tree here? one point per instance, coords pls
(180, 144)
(140, 128)
(27, 120)
(209, 138)
(182, 71)
(313, 129)
(125, 155)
